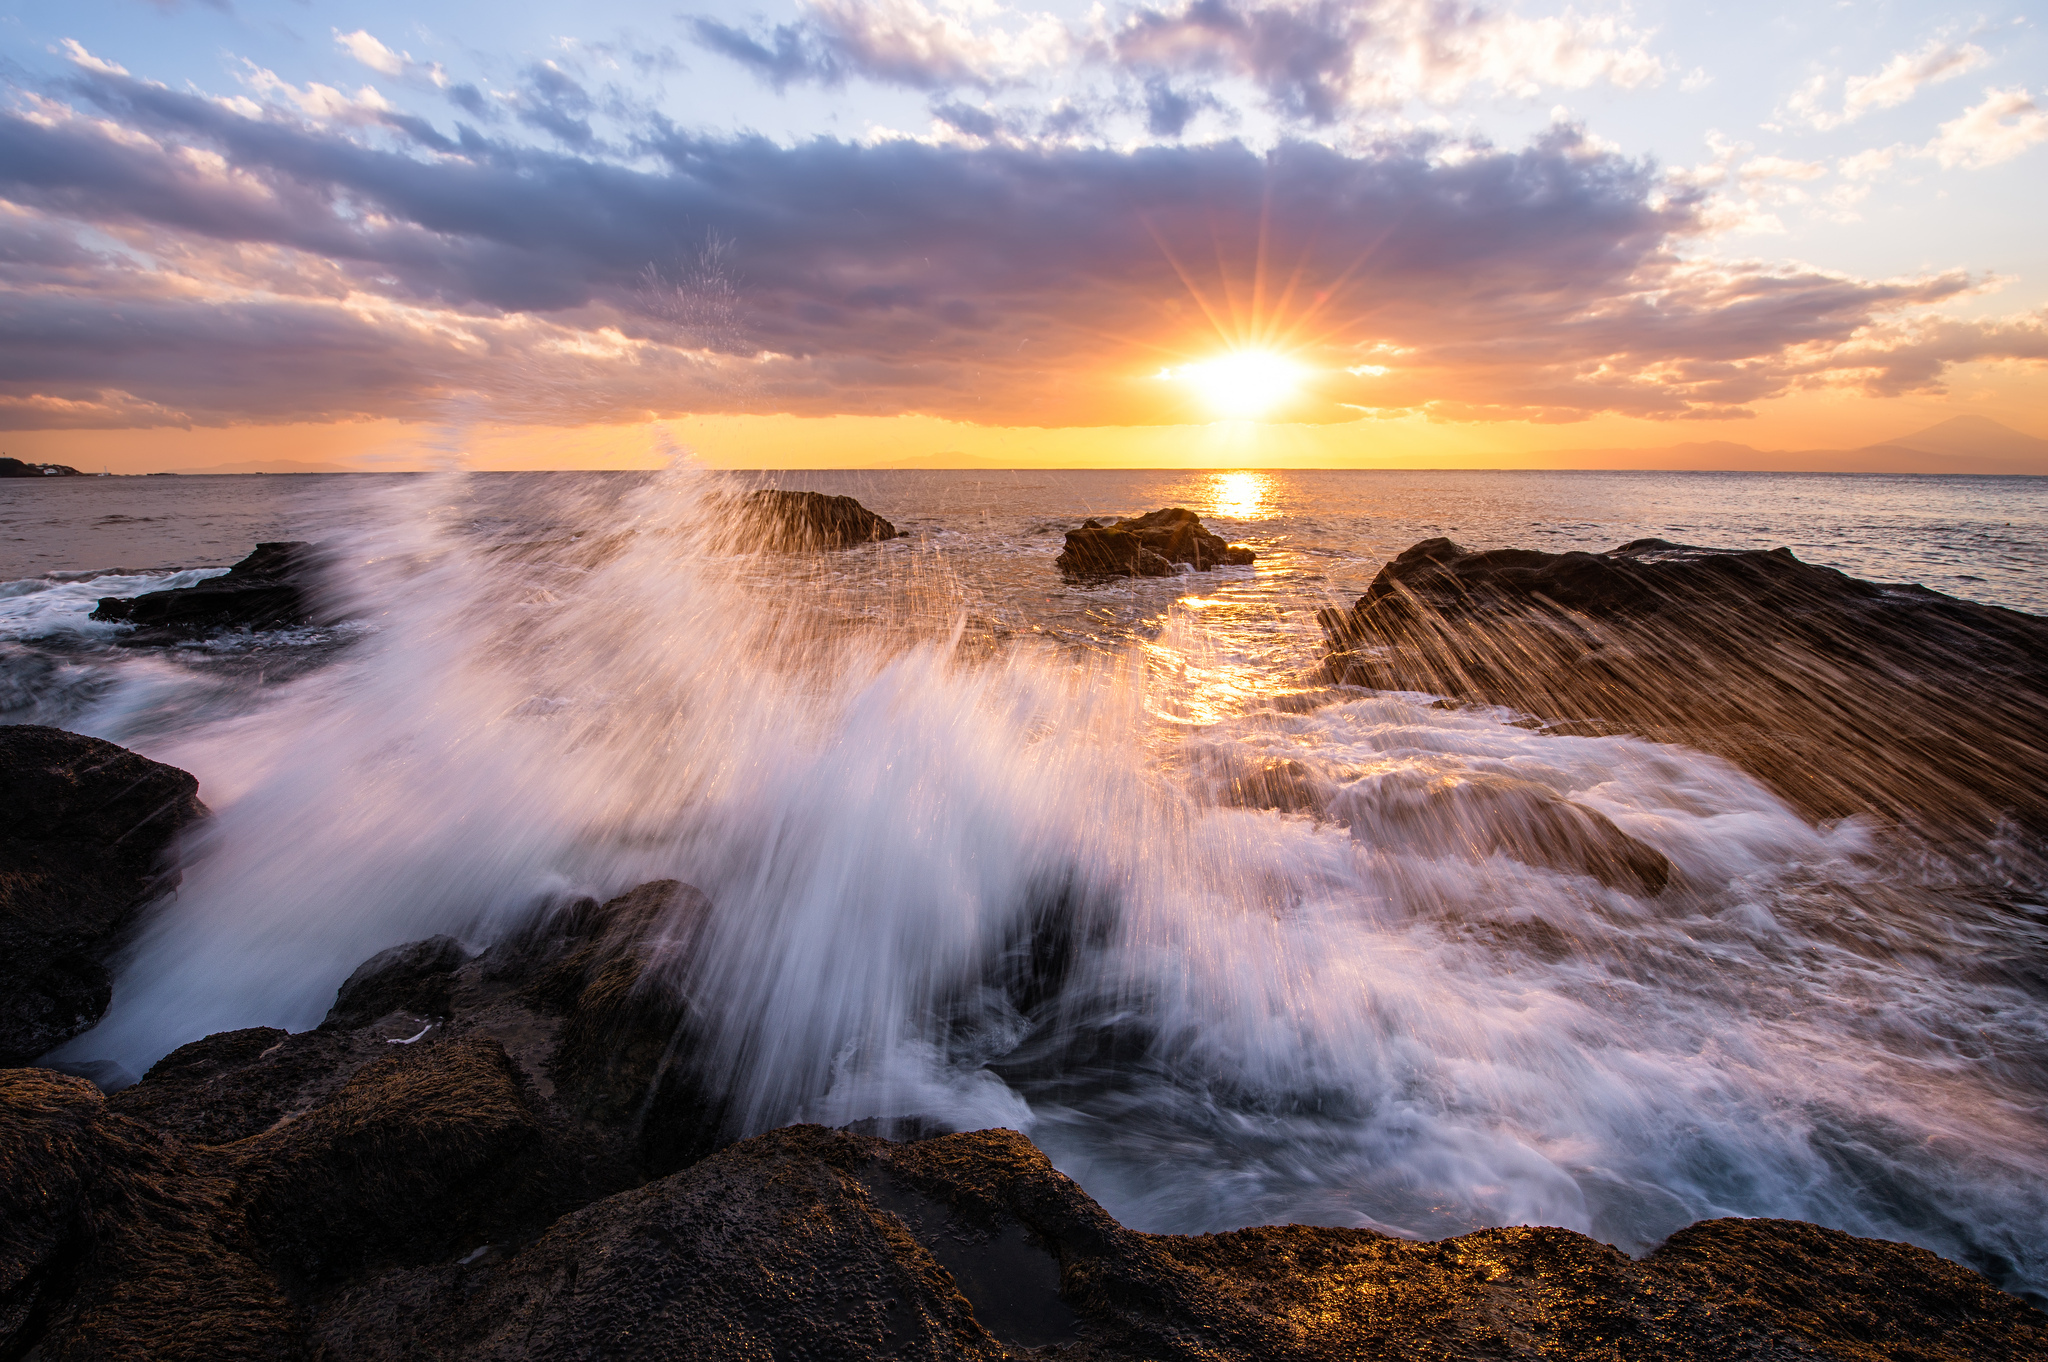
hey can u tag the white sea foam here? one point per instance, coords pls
(1004, 890)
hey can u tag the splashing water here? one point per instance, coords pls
(979, 876)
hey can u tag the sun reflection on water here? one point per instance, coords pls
(1240, 496)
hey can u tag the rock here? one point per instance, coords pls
(273, 588)
(627, 1022)
(1284, 784)
(430, 1148)
(117, 1243)
(488, 1188)
(86, 832)
(1844, 696)
(414, 978)
(795, 521)
(1146, 546)
(805, 1242)
(1480, 815)
(226, 1087)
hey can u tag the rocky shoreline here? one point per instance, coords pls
(514, 1154)
(503, 1157)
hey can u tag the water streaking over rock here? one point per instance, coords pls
(980, 850)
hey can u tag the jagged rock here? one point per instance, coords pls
(1844, 696)
(794, 521)
(1146, 546)
(478, 1189)
(1479, 815)
(273, 588)
(86, 831)
(117, 1243)
(231, 1085)
(428, 1149)
(415, 978)
(805, 1242)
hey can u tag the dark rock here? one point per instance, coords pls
(477, 1189)
(1844, 696)
(1146, 546)
(623, 1057)
(1484, 814)
(812, 1243)
(430, 1148)
(86, 831)
(226, 1087)
(414, 978)
(273, 588)
(796, 521)
(116, 1243)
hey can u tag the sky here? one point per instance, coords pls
(1182, 232)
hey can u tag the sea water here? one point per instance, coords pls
(967, 834)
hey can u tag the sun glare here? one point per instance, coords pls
(1243, 384)
(1240, 496)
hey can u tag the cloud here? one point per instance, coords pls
(216, 267)
(1891, 85)
(892, 42)
(366, 49)
(1313, 61)
(2005, 124)
(553, 101)
(1318, 61)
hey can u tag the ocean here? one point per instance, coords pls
(891, 766)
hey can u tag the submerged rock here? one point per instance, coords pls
(273, 588)
(795, 521)
(86, 831)
(1484, 815)
(1146, 546)
(1844, 696)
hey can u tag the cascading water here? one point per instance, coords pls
(972, 876)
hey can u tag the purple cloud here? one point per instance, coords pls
(276, 267)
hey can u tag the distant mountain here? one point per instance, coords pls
(1961, 444)
(267, 466)
(1976, 437)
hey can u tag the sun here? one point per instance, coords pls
(1243, 384)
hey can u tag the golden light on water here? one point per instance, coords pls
(1243, 384)
(1240, 496)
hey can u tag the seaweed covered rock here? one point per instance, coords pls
(273, 588)
(805, 1242)
(795, 521)
(535, 1171)
(117, 1242)
(1146, 546)
(428, 1149)
(86, 834)
(1845, 696)
(415, 978)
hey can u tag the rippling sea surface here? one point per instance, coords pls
(965, 830)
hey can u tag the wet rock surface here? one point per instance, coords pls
(791, 521)
(1146, 546)
(273, 588)
(86, 832)
(1844, 696)
(513, 1155)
